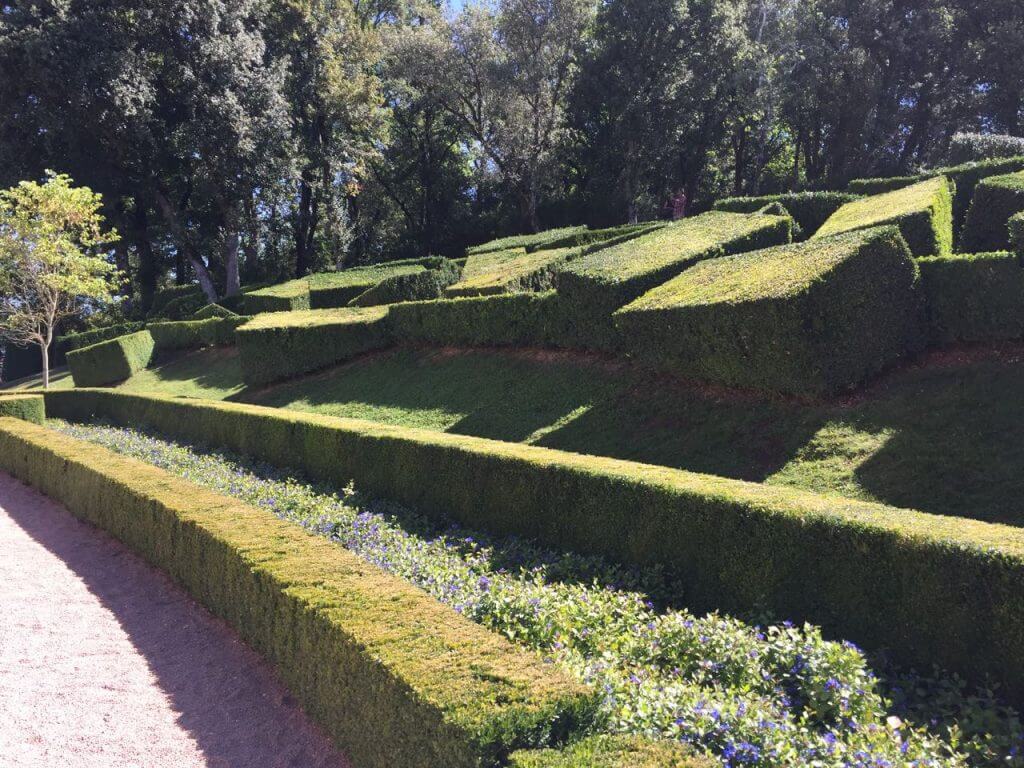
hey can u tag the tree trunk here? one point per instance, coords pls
(144, 250)
(184, 243)
(44, 351)
(232, 241)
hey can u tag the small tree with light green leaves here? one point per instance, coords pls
(53, 259)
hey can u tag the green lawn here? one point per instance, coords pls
(945, 438)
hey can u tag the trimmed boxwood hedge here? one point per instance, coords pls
(283, 345)
(614, 752)
(85, 338)
(213, 310)
(394, 677)
(526, 242)
(809, 209)
(996, 200)
(976, 297)
(497, 272)
(930, 588)
(608, 236)
(1015, 226)
(192, 334)
(111, 361)
(334, 290)
(414, 286)
(923, 212)
(29, 407)
(283, 297)
(970, 147)
(815, 318)
(165, 296)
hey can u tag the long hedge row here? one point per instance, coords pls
(192, 334)
(30, 407)
(395, 677)
(996, 200)
(72, 341)
(932, 589)
(809, 209)
(111, 361)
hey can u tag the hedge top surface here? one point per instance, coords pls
(364, 275)
(1010, 181)
(993, 539)
(687, 238)
(287, 290)
(490, 272)
(478, 678)
(771, 273)
(529, 241)
(615, 752)
(886, 208)
(309, 318)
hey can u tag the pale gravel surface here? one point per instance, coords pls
(106, 663)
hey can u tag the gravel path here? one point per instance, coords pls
(105, 663)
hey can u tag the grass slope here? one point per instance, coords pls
(947, 437)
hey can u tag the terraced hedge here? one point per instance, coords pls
(29, 407)
(393, 676)
(333, 290)
(497, 272)
(165, 296)
(931, 588)
(283, 345)
(283, 297)
(923, 212)
(213, 310)
(109, 362)
(977, 297)
(526, 242)
(809, 209)
(422, 285)
(1015, 226)
(608, 236)
(192, 334)
(85, 338)
(996, 200)
(814, 318)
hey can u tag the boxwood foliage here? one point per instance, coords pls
(965, 178)
(613, 752)
(283, 297)
(809, 209)
(213, 310)
(608, 236)
(976, 297)
(282, 345)
(996, 200)
(510, 271)
(923, 212)
(28, 407)
(192, 334)
(605, 280)
(930, 588)
(165, 296)
(813, 318)
(526, 242)
(421, 285)
(1015, 226)
(85, 338)
(333, 290)
(111, 361)
(970, 147)
(393, 676)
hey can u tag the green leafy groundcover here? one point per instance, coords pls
(748, 695)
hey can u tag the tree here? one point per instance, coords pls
(51, 267)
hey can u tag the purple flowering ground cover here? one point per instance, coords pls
(746, 694)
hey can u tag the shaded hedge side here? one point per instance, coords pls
(21, 406)
(192, 334)
(109, 362)
(996, 200)
(394, 677)
(809, 209)
(86, 338)
(932, 589)
(976, 297)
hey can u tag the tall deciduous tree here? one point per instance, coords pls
(52, 264)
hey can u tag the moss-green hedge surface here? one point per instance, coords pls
(815, 318)
(613, 752)
(282, 345)
(111, 361)
(929, 588)
(510, 271)
(996, 201)
(421, 285)
(165, 296)
(283, 297)
(213, 310)
(333, 290)
(809, 209)
(970, 147)
(608, 236)
(974, 297)
(193, 334)
(1015, 226)
(923, 212)
(611, 277)
(395, 677)
(85, 338)
(27, 407)
(527, 242)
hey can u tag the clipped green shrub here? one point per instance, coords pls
(605, 280)
(814, 318)
(526, 242)
(28, 407)
(809, 209)
(498, 272)
(193, 334)
(85, 338)
(930, 588)
(996, 200)
(870, 187)
(283, 345)
(608, 236)
(165, 296)
(613, 752)
(111, 361)
(213, 310)
(421, 285)
(183, 307)
(1015, 227)
(971, 147)
(283, 297)
(393, 676)
(923, 212)
(334, 290)
(977, 297)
